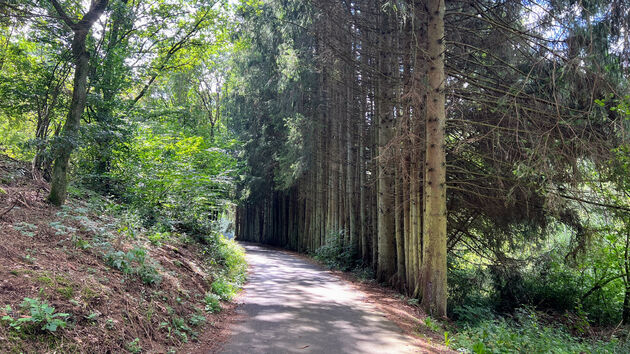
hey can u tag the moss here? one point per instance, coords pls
(22, 342)
(44, 279)
(60, 284)
(66, 291)
(88, 294)
(61, 280)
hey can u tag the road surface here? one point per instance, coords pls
(292, 306)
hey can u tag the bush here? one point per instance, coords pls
(467, 286)
(472, 314)
(212, 302)
(363, 273)
(36, 314)
(224, 289)
(476, 293)
(525, 334)
(134, 262)
(232, 256)
(196, 320)
(553, 285)
(334, 254)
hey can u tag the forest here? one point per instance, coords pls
(472, 155)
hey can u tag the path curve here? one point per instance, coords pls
(292, 306)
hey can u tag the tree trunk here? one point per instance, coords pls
(434, 290)
(625, 317)
(386, 266)
(59, 180)
(351, 176)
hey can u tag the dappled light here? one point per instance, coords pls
(292, 306)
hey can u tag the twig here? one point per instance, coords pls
(8, 210)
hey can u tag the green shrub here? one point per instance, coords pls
(212, 302)
(36, 314)
(117, 260)
(229, 257)
(467, 285)
(134, 346)
(224, 289)
(180, 328)
(433, 325)
(473, 314)
(148, 274)
(232, 257)
(334, 254)
(134, 262)
(364, 273)
(196, 320)
(157, 237)
(551, 284)
(524, 334)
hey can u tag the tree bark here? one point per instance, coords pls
(59, 180)
(434, 290)
(386, 266)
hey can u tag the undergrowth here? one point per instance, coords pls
(145, 259)
(34, 315)
(335, 254)
(134, 262)
(525, 332)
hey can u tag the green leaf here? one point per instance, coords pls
(51, 326)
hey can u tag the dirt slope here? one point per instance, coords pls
(122, 292)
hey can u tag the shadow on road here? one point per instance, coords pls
(291, 306)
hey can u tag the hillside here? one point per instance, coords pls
(121, 287)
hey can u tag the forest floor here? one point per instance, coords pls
(120, 290)
(291, 305)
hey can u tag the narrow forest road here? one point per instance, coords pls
(291, 306)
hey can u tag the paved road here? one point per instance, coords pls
(291, 306)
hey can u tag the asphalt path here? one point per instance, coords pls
(292, 306)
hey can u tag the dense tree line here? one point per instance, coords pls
(356, 136)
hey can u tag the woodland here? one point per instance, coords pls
(473, 155)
